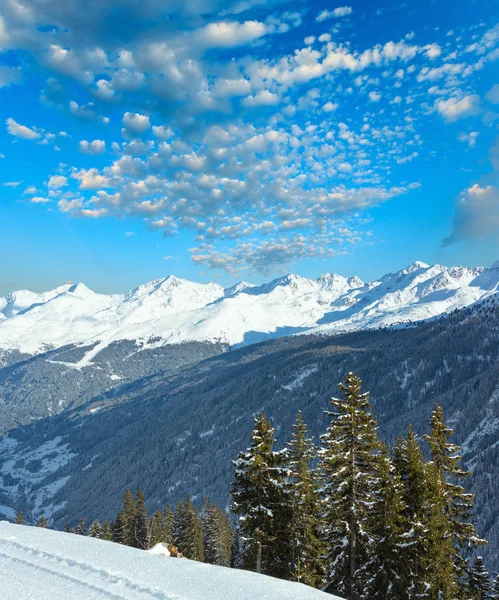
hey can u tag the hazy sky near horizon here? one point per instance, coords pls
(224, 140)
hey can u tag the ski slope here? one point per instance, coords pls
(39, 564)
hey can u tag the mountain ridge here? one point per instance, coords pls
(173, 310)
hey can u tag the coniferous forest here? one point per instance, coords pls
(345, 513)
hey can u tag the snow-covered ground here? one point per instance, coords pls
(173, 310)
(39, 564)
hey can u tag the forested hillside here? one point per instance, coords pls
(173, 434)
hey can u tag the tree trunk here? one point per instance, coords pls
(259, 557)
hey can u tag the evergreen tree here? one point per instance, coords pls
(141, 525)
(20, 518)
(67, 528)
(107, 533)
(95, 530)
(194, 533)
(124, 526)
(235, 554)
(349, 466)
(307, 545)
(479, 587)
(458, 504)
(495, 588)
(260, 498)
(180, 527)
(42, 522)
(388, 562)
(80, 528)
(217, 535)
(428, 556)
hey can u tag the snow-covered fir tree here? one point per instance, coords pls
(194, 548)
(479, 587)
(307, 543)
(387, 569)
(260, 497)
(217, 535)
(141, 524)
(446, 457)
(350, 483)
(95, 530)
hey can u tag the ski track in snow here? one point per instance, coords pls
(41, 564)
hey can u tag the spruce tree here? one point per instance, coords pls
(479, 587)
(194, 533)
(180, 527)
(388, 563)
(260, 498)
(349, 466)
(80, 528)
(495, 588)
(42, 522)
(107, 533)
(307, 544)
(95, 530)
(20, 518)
(217, 535)
(141, 525)
(458, 503)
(67, 527)
(126, 520)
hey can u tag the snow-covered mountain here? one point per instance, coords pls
(52, 565)
(172, 310)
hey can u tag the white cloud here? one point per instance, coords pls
(92, 148)
(57, 181)
(340, 11)
(374, 96)
(469, 138)
(493, 94)
(453, 108)
(162, 132)
(329, 107)
(477, 214)
(21, 131)
(135, 122)
(86, 112)
(263, 98)
(39, 200)
(227, 34)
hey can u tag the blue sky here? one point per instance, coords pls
(225, 140)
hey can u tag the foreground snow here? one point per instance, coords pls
(39, 564)
(172, 310)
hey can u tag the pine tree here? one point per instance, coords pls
(217, 535)
(349, 466)
(260, 498)
(307, 545)
(495, 588)
(95, 530)
(458, 504)
(42, 522)
(428, 556)
(388, 562)
(141, 525)
(479, 587)
(67, 527)
(180, 527)
(107, 533)
(20, 518)
(194, 533)
(124, 526)
(80, 528)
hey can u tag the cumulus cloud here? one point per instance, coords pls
(493, 94)
(457, 108)
(57, 181)
(135, 122)
(92, 148)
(21, 131)
(263, 98)
(86, 112)
(477, 214)
(340, 11)
(227, 34)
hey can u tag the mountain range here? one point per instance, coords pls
(172, 310)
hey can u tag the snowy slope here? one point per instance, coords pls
(172, 310)
(39, 564)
